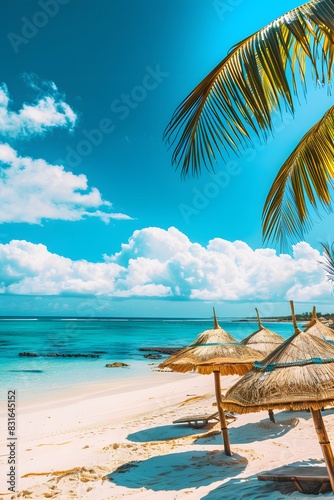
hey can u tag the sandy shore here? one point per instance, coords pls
(114, 442)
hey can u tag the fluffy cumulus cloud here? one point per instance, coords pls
(159, 263)
(32, 190)
(47, 112)
(222, 270)
(27, 268)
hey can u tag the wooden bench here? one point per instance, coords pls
(197, 421)
(299, 475)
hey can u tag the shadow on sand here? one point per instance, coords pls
(165, 433)
(256, 431)
(250, 487)
(177, 471)
(253, 489)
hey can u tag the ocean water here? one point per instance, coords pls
(112, 339)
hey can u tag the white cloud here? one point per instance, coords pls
(159, 263)
(47, 112)
(153, 242)
(222, 270)
(33, 190)
(27, 268)
(144, 291)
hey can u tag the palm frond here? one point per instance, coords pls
(303, 181)
(328, 263)
(259, 76)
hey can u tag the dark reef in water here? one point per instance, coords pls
(163, 350)
(26, 371)
(59, 355)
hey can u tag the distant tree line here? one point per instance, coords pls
(305, 316)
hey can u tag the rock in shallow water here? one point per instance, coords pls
(117, 364)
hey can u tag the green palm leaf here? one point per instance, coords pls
(304, 181)
(259, 76)
(329, 260)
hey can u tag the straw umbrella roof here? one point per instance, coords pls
(263, 340)
(213, 350)
(297, 375)
(317, 328)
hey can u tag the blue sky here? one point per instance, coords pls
(94, 216)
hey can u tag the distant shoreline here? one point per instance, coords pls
(267, 320)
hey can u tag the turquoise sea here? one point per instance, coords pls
(109, 339)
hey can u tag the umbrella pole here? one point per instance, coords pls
(324, 443)
(223, 424)
(271, 416)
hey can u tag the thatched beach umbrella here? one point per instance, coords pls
(297, 375)
(263, 340)
(214, 351)
(318, 329)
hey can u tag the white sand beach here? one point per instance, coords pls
(116, 442)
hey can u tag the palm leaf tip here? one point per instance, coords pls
(328, 260)
(302, 185)
(259, 75)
